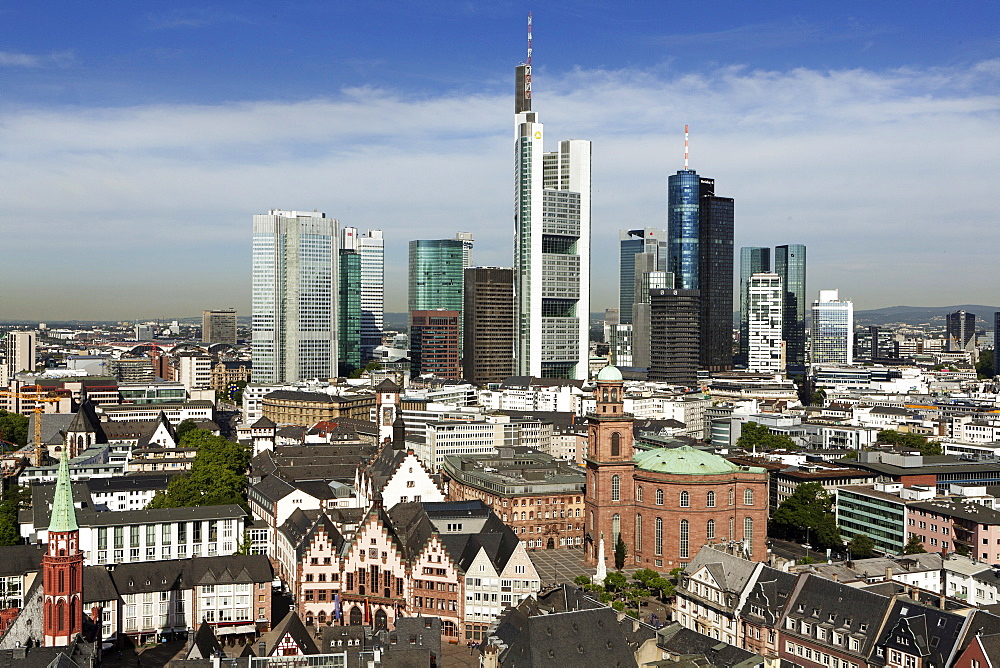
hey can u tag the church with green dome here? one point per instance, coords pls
(663, 503)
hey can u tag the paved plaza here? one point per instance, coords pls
(558, 566)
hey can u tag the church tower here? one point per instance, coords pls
(609, 501)
(62, 566)
(386, 409)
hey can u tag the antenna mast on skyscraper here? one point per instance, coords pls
(528, 62)
(685, 148)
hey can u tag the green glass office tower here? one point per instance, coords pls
(753, 260)
(436, 275)
(349, 330)
(790, 265)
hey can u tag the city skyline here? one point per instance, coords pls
(160, 146)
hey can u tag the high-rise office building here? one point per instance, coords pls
(488, 329)
(996, 344)
(436, 267)
(467, 242)
(551, 246)
(631, 242)
(647, 277)
(371, 246)
(874, 344)
(790, 265)
(295, 312)
(961, 328)
(434, 344)
(700, 243)
(765, 349)
(674, 337)
(21, 352)
(219, 326)
(349, 302)
(832, 340)
(753, 260)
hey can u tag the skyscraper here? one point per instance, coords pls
(434, 344)
(488, 313)
(436, 267)
(790, 265)
(551, 246)
(674, 336)
(467, 242)
(219, 326)
(753, 260)
(372, 249)
(632, 242)
(765, 349)
(832, 329)
(700, 242)
(295, 273)
(20, 352)
(961, 331)
(349, 303)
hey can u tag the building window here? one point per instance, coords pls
(616, 528)
(658, 539)
(710, 530)
(748, 533)
(732, 496)
(638, 494)
(748, 497)
(638, 533)
(616, 485)
(616, 444)
(685, 500)
(684, 553)
(711, 500)
(659, 497)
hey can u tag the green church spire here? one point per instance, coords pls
(63, 512)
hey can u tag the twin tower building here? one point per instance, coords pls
(308, 276)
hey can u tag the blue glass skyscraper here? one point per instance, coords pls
(683, 197)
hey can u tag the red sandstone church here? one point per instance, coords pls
(664, 502)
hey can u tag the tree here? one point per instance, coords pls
(807, 513)
(581, 580)
(756, 436)
(984, 367)
(13, 427)
(184, 427)
(861, 546)
(217, 475)
(621, 553)
(615, 581)
(15, 499)
(244, 545)
(910, 442)
(914, 546)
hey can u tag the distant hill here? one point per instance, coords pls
(924, 315)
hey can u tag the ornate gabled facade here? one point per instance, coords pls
(374, 588)
(396, 474)
(62, 567)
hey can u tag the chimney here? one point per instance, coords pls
(888, 573)
(835, 577)
(262, 648)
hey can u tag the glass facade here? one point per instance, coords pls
(683, 195)
(790, 264)
(633, 242)
(716, 278)
(832, 330)
(437, 276)
(349, 328)
(753, 260)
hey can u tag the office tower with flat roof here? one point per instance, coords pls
(631, 242)
(647, 277)
(467, 243)
(21, 352)
(675, 317)
(766, 351)
(790, 264)
(294, 295)
(349, 302)
(700, 244)
(434, 344)
(371, 247)
(551, 246)
(436, 274)
(873, 344)
(488, 329)
(219, 326)
(832, 340)
(753, 260)
(961, 328)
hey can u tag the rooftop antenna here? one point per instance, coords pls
(528, 62)
(685, 144)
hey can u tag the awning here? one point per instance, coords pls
(233, 630)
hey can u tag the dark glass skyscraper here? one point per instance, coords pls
(700, 240)
(349, 307)
(633, 242)
(790, 264)
(753, 260)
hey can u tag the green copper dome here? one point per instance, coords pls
(685, 460)
(611, 374)
(63, 512)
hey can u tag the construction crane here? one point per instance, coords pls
(39, 397)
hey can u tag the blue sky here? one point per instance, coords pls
(137, 139)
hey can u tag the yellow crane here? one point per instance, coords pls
(39, 396)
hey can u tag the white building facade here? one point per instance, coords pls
(832, 333)
(295, 274)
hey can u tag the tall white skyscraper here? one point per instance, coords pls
(467, 240)
(295, 274)
(551, 246)
(371, 247)
(832, 335)
(765, 350)
(20, 352)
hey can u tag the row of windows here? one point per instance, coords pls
(685, 497)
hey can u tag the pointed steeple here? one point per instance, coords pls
(63, 511)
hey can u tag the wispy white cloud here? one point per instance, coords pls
(889, 178)
(31, 60)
